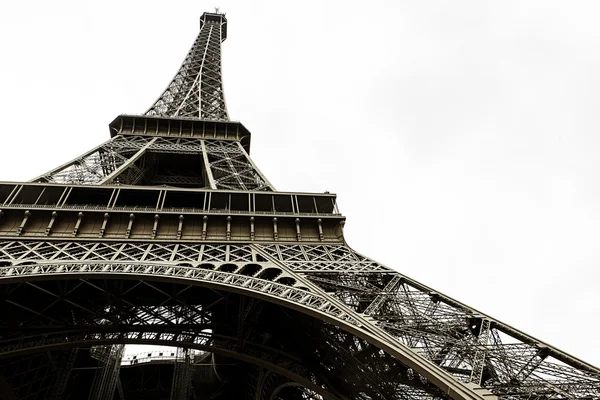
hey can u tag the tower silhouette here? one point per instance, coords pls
(168, 234)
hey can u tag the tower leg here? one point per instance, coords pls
(64, 374)
(180, 390)
(107, 375)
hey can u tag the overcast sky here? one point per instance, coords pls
(460, 136)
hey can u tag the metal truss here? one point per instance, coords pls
(364, 297)
(270, 282)
(74, 251)
(180, 390)
(28, 377)
(101, 164)
(107, 375)
(169, 334)
(130, 160)
(196, 91)
(337, 355)
(327, 258)
(297, 311)
(231, 168)
(63, 375)
(471, 346)
(177, 145)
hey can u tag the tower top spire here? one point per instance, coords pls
(196, 91)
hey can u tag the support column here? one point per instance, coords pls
(107, 374)
(479, 361)
(182, 375)
(64, 374)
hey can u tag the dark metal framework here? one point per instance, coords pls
(168, 234)
(196, 91)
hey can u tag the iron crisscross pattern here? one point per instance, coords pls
(467, 344)
(440, 330)
(196, 91)
(232, 168)
(129, 251)
(128, 159)
(354, 326)
(99, 164)
(278, 291)
(322, 258)
(177, 146)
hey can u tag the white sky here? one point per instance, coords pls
(460, 136)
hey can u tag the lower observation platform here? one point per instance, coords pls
(120, 212)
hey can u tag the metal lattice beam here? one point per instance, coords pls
(196, 91)
(231, 168)
(301, 313)
(100, 164)
(180, 390)
(452, 335)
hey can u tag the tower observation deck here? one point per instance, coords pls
(168, 234)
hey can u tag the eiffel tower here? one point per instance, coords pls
(169, 235)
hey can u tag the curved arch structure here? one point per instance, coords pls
(314, 304)
(169, 235)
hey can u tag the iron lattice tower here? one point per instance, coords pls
(168, 234)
